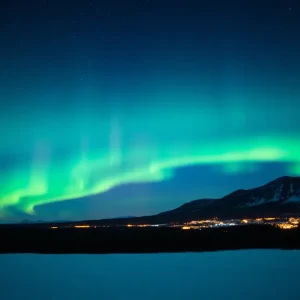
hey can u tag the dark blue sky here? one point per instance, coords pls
(112, 108)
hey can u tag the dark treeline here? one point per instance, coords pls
(24, 239)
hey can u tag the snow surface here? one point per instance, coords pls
(278, 193)
(294, 198)
(291, 188)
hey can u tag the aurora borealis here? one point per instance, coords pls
(95, 98)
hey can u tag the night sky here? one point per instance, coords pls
(120, 108)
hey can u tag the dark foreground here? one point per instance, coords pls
(144, 240)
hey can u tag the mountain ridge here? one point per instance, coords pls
(278, 197)
(273, 196)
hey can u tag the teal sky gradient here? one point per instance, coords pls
(90, 109)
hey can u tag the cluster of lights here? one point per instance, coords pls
(142, 225)
(291, 223)
(294, 221)
(199, 224)
(207, 224)
(286, 226)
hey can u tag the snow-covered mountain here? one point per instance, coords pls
(283, 190)
(276, 198)
(280, 196)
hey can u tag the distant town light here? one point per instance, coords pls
(294, 221)
(286, 226)
(82, 226)
(185, 227)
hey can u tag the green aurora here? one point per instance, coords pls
(44, 182)
(144, 142)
